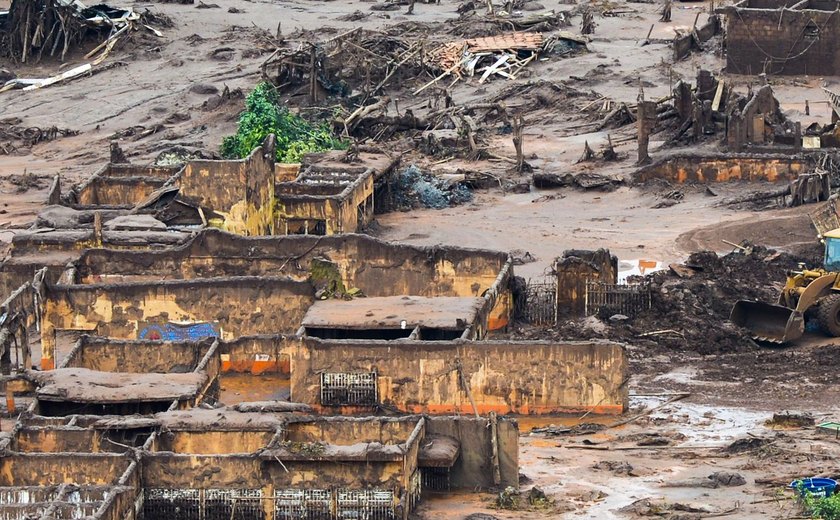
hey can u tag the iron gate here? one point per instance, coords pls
(537, 304)
(627, 299)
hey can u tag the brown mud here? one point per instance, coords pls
(169, 92)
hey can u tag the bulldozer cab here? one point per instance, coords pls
(831, 262)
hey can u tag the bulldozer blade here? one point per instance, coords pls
(767, 322)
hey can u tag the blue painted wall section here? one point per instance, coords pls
(178, 332)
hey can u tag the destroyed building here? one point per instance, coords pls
(340, 360)
(136, 413)
(252, 196)
(782, 37)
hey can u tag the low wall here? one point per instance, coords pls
(377, 268)
(504, 377)
(43, 469)
(110, 355)
(242, 191)
(474, 467)
(117, 191)
(685, 43)
(340, 213)
(233, 307)
(257, 354)
(723, 168)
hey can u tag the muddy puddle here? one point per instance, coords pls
(573, 469)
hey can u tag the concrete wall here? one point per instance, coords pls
(773, 40)
(120, 185)
(167, 470)
(474, 467)
(240, 306)
(109, 355)
(257, 354)
(504, 377)
(242, 191)
(117, 191)
(41, 469)
(214, 442)
(136, 170)
(375, 267)
(683, 44)
(62, 246)
(378, 268)
(350, 430)
(65, 439)
(339, 211)
(723, 168)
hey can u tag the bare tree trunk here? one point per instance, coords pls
(518, 125)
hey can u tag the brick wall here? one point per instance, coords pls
(776, 42)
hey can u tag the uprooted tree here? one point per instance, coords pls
(37, 27)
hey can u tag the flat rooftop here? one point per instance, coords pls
(448, 312)
(90, 386)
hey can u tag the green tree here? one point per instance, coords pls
(264, 115)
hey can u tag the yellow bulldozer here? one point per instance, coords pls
(812, 291)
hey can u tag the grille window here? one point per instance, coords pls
(812, 32)
(370, 504)
(435, 479)
(296, 504)
(338, 389)
(203, 504)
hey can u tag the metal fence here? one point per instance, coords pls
(365, 504)
(436, 479)
(537, 304)
(627, 299)
(339, 389)
(339, 504)
(289, 504)
(203, 504)
(302, 504)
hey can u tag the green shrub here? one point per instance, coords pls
(265, 115)
(827, 508)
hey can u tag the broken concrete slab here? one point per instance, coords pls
(134, 222)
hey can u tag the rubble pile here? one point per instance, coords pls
(356, 63)
(690, 303)
(415, 188)
(35, 28)
(696, 303)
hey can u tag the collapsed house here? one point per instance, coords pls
(185, 280)
(343, 299)
(243, 462)
(122, 205)
(757, 141)
(419, 304)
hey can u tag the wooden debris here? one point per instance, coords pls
(489, 56)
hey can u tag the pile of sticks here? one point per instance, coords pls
(35, 27)
(360, 60)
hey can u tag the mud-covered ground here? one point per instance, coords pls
(185, 89)
(685, 460)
